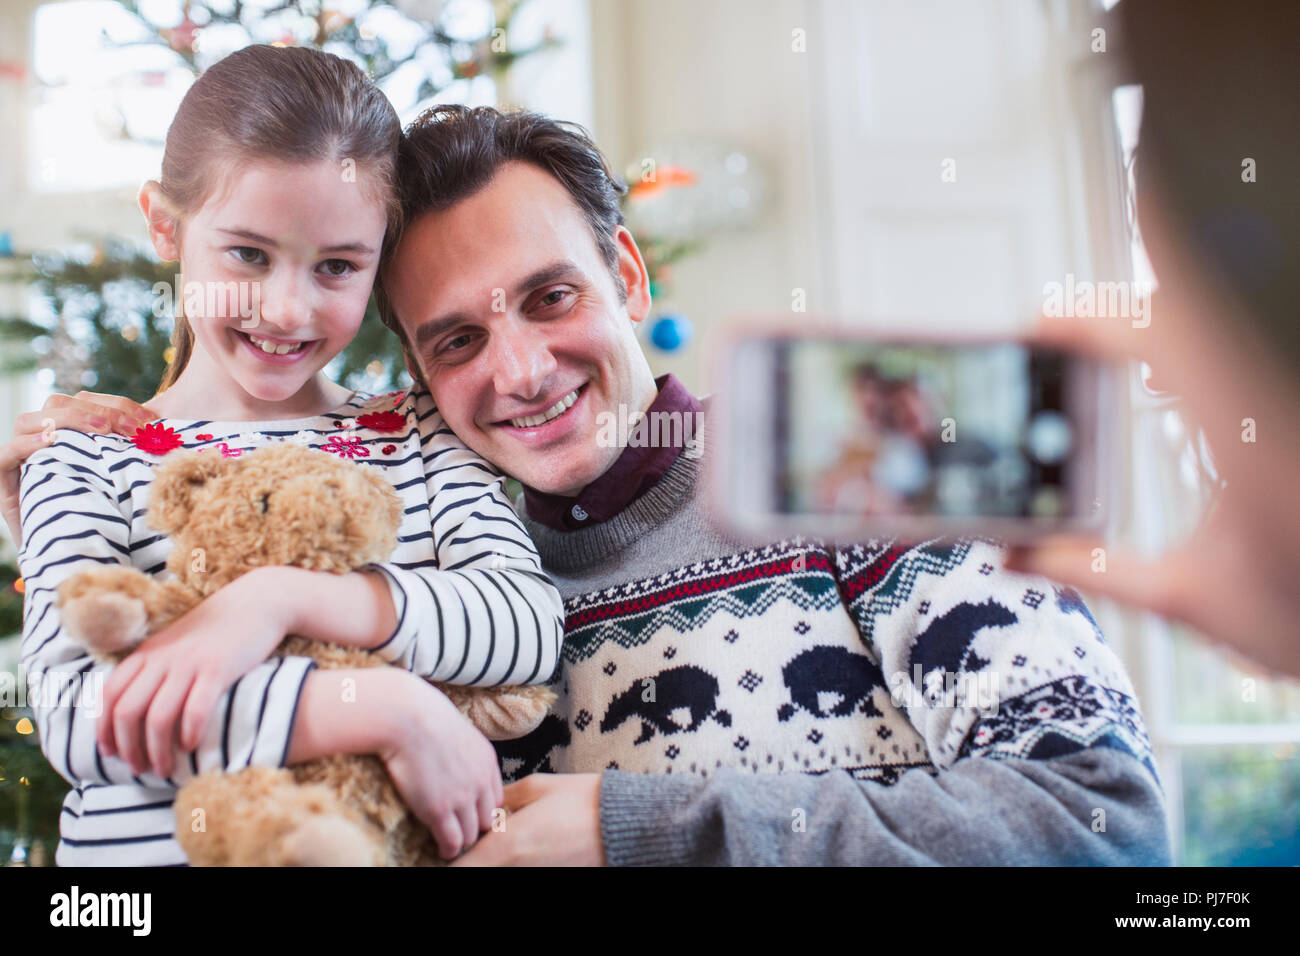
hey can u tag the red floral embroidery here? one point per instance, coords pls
(156, 439)
(227, 451)
(346, 447)
(383, 421)
(203, 437)
(389, 449)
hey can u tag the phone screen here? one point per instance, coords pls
(900, 429)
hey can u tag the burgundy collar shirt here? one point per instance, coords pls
(644, 460)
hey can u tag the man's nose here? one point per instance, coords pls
(521, 362)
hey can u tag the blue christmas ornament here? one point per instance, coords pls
(6, 245)
(670, 332)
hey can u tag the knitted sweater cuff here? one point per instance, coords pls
(636, 818)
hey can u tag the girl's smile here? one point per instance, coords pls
(277, 351)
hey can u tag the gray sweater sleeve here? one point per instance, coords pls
(1099, 806)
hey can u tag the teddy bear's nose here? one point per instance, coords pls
(265, 499)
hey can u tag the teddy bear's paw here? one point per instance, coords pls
(509, 712)
(330, 841)
(106, 623)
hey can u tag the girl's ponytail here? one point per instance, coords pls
(183, 343)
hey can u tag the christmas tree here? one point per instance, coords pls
(31, 793)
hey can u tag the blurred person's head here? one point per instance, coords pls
(1218, 183)
(907, 410)
(277, 177)
(515, 289)
(869, 393)
(1219, 149)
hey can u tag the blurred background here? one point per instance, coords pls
(905, 164)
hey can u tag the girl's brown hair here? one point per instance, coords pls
(284, 103)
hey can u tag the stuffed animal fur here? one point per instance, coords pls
(277, 505)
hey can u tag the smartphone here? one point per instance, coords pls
(834, 434)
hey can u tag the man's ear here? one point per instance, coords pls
(632, 270)
(177, 482)
(161, 219)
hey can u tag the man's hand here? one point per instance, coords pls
(444, 768)
(440, 763)
(90, 412)
(554, 821)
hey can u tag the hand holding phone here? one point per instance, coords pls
(837, 435)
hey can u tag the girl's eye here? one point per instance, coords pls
(337, 267)
(249, 255)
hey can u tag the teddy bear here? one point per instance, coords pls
(280, 504)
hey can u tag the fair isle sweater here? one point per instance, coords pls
(472, 603)
(804, 704)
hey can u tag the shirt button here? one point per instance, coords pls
(578, 513)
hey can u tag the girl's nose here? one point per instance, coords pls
(284, 307)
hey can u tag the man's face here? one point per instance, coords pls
(518, 329)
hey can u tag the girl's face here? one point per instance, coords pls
(277, 268)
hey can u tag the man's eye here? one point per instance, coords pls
(249, 255)
(553, 298)
(337, 267)
(459, 342)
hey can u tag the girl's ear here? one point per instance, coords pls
(162, 221)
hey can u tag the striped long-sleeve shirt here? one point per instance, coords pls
(473, 604)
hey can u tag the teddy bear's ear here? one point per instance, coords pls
(177, 482)
(392, 503)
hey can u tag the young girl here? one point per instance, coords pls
(275, 197)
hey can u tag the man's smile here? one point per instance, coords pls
(548, 421)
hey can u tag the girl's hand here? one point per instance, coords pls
(89, 412)
(445, 770)
(165, 692)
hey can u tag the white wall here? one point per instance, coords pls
(853, 133)
(719, 71)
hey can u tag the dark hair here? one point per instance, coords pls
(1219, 86)
(451, 152)
(868, 373)
(286, 103)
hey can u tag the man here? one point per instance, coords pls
(794, 703)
